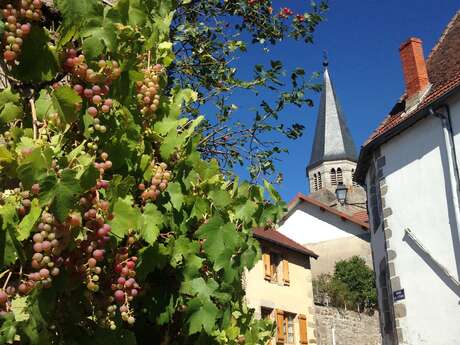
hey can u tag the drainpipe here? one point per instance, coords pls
(333, 332)
(451, 158)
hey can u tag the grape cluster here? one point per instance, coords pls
(159, 182)
(25, 197)
(17, 26)
(125, 288)
(49, 241)
(148, 96)
(93, 85)
(93, 247)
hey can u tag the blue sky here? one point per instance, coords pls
(362, 39)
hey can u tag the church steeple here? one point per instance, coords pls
(333, 158)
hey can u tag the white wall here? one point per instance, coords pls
(416, 174)
(307, 224)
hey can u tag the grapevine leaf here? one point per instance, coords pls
(5, 155)
(119, 187)
(202, 315)
(34, 166)
(99, 36)
(10, 112)
(44, 105)
(168, 124)
(61, 193)
(272, 192)
(151, 258)
(199, 287)
(220, 198)
(35, 69)
(170, 143)
(221, 241)
(7, 96)
(245, 210)
(8, 329)
(8, 217)
(73, 12)
(175, 193)
(89, 177)
(152, 219)
(28, 222)
(64, 101)
(126, 217)
(131, 12)
(200, 208)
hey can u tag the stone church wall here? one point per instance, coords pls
(351, 328)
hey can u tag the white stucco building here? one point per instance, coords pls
(334, 231)
(332, 234)
(410, 169)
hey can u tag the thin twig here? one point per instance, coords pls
(34, 117)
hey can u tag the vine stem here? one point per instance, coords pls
(34, 117)
(148, 60)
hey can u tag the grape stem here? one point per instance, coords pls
(7, 280)
(34, 117)
(3, 273)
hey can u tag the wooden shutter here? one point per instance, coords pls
(267, 266)
(286, 272)
(279, 326)
(303, 329)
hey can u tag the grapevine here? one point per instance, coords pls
(113, 224)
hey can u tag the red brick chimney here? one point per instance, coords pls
(414, 67)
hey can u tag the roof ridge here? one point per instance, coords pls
(443, 35)
(311, 200)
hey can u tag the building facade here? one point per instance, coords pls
(279, 287)
(410, 168)
(332, 234)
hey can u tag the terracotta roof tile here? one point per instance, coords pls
(305, 198)
(362, 215)
(278, 238)
(443, 66)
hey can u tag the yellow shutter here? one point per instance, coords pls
(280, 325)
(303, 329)
(267, 266)
(286, 272)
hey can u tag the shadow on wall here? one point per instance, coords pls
(435, 266)
(422, 145)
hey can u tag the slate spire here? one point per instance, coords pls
(333, 140)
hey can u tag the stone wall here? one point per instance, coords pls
(351, 328)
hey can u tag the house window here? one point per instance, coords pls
(333, 177)
(276, 268)
(285, 328)
(339, 176)
(275, 261)
(320, 183)
(315, 182)
(289, 328)
(265, 313)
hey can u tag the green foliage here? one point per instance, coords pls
(90, 186)
(351, 286)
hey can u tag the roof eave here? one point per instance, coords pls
(306, 252)
(365, 155)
